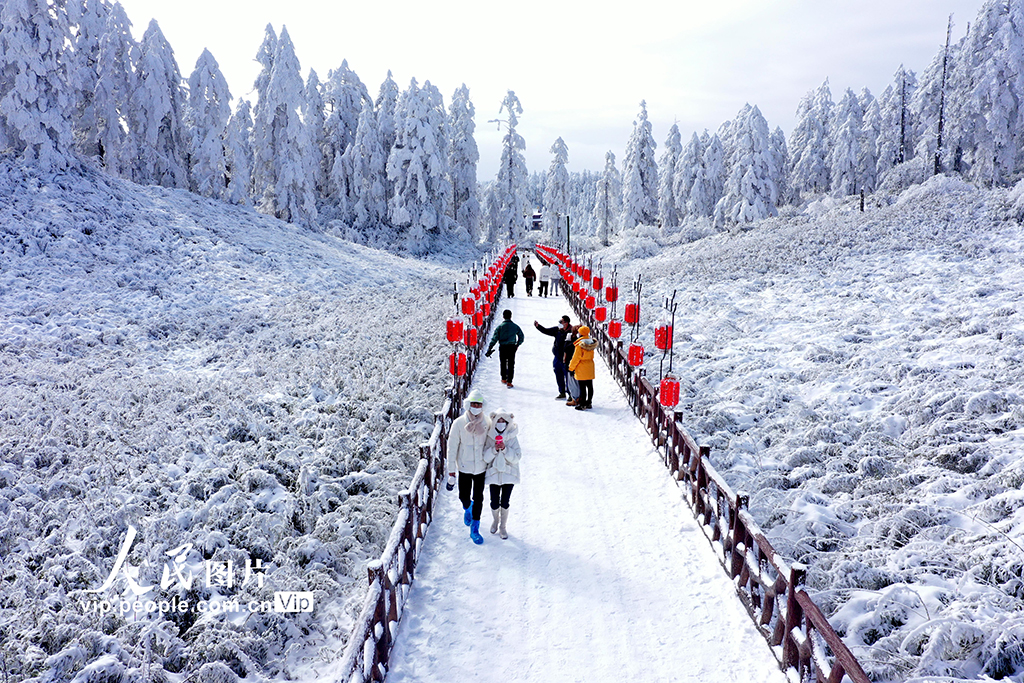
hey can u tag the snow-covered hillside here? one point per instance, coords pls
(861, 375)
(209, 376)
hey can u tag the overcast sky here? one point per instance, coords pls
(580, 68)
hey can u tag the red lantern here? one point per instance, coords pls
(663, 337)
(600, 314)
(614, 329)
(457, 364)
(454, 330)
(632, 313)
(586, 274)
(636, 355)
(611, 294)
(590, 303)
(471, 336)
(487, 308)
(478, 319)
(598, 283)
(576, 286)
(468, 304)
(669, 394)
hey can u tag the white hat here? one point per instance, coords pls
(475, 396)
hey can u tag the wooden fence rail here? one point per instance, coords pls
(772, 590)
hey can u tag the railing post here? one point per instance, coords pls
(739, 540)
(794, 617)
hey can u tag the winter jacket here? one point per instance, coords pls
(558, 348)
(545, 273)
(503, 465)
(506, 333)
(556, 274)
(466, 449)
(511, 274)
(582, 363)
(529, 273)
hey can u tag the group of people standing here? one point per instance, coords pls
(573, 362)
(549, 276)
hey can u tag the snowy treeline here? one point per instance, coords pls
(398, 170)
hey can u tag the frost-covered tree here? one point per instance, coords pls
(84, 73)
(157, 114)
(510, 184)
(112, 94)
(462, 162)
(640, 175)
(365, 157)
(845, 153)
(556, 192)
(608, 201)
(385, 105)
(209, 108)
(238, 155)
(688, 166)
(344, 96)
(750, 192)
(282, 186)
(35, 107)
(668, 203)
(315, 120)
(779, 168)
(868, 161)
(896, 136)
(708, 181)
(809, 143)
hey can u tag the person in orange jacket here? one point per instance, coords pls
(582, 368)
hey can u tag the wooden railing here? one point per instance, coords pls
(368, 651)
(799, 633)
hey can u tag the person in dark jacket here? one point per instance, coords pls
(510, 277)
(559, 332)
(508, 336)
(529, 274)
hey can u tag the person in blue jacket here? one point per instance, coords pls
(508, 336)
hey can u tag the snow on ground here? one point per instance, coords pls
(862, 377)
(211, 377)
(605, 575)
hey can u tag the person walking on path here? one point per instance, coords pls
(466, 442)
(556, 276)
(529, 274)
(508, 336)
(545, 277)
(582, 367)
(560, 332)
(510, 277)
(502, 454)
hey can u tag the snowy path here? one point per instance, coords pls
(605, 575)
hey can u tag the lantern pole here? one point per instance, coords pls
(670, 305)
(611, 315)
(637, 286)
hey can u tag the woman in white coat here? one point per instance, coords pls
(502, 455)
(466, 442)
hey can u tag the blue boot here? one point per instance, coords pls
(474, 532)
(468, 517)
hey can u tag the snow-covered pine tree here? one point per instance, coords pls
(157, 112)
(365, 157)
(809, 143)
(238, 155)
(282, 186)
(85, 73)
(845, 151)
(344, 96)
(115, 84)
(687, 167)
(640, 175)
(493, 226)
(750, 192)
(556, 192)
(896, 137)
(385, 105)
(709, 181)
(209, 108)
(868, 162)
(668, 203)
(779, 169)
(315, 120)
(35, 107)
(510, 184)
(462, 161)
(607, 205)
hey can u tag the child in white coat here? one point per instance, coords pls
(502, 454)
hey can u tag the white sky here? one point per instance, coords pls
(580, 68)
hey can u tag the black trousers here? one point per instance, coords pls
(510, 287)
(500, 495)
(529, 287)
(507, 356)
(472, 483)
(586, 391)
(543, 291)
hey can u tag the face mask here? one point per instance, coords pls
(475, 411)
(500, 427)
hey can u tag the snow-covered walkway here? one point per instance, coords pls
(605, 575)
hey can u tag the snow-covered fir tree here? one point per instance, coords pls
(708, 181)
(845, 149)
(608, 201)
(84, 73)
(344, 97)
(35, 103)
(238, 155)
(668, 204)
(582, 200)
(492, 219)
(158, 105)
(282, 186)
(779, 167)
(556, 193)
(115, 82)
(315, 119)
(209, 108)
(750, 191)
(868, 162)
(640, 175)
(462, 162)
(896, 136)
(365, 157)
(688, 165)
(387, 101)
(809, 143)
(511, 180)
